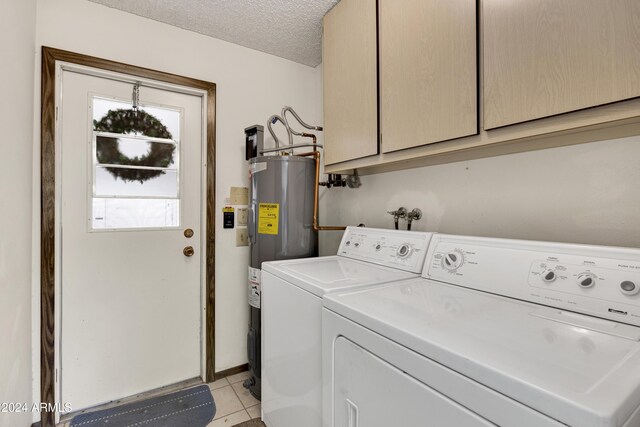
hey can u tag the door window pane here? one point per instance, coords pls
(140, 182)
(134, 152)
(169, 117)
(136, 166)
(113, 213)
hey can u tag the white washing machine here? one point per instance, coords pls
(292, 293)
(497, 332)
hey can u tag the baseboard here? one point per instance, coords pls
(231, 371)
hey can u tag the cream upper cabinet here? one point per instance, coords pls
(547, 57)
(350, 81)
(428, 71)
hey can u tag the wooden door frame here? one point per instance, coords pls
(48, 199)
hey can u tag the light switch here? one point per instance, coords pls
(242, 216)
(242, 238)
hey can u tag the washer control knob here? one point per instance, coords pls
(586, 280)
(549, 275)
(404, 250)
(452, 260)
(629, 288)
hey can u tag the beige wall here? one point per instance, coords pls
(250, 87)
(17, 46)
(588, 193)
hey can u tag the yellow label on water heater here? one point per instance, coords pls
(268, 216)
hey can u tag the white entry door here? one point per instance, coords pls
(130, 306)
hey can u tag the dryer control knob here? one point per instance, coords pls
(629, 288)
(453, 260)
(549, 275)
(586, 280)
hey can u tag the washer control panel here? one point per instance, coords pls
(404, 250)
(595, 280)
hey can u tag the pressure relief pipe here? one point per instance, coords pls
(315, 154)
(316, 226)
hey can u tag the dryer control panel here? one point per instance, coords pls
(404, 250)
(595, 280)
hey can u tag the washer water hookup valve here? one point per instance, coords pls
(414, 215)
(401, 212)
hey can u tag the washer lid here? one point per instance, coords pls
(570, 370)
(333, 273)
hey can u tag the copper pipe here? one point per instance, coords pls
(316, 227)
(309, 154)
(310, 135)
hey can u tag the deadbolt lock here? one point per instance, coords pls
(188, 251)
(188, 233)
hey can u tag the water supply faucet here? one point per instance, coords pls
(401, 212)
(415, 214)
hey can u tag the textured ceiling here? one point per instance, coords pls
(291, 29)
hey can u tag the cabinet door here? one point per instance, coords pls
(546, 57)
(428, 71)
(350, 81)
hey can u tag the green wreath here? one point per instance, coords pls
(126, 122)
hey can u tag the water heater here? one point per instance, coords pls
(280, 226)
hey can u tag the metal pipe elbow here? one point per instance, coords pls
(272, 120)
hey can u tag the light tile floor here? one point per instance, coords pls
(234, 403)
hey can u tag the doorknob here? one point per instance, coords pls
(188, 251)
(188, 233)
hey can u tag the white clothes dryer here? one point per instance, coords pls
(292, 293)
(497, 332)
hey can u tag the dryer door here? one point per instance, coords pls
(369, 392)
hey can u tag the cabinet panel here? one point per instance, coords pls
(546, 57)
(428, 71)
(350, 81)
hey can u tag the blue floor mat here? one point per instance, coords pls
(193, 407)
